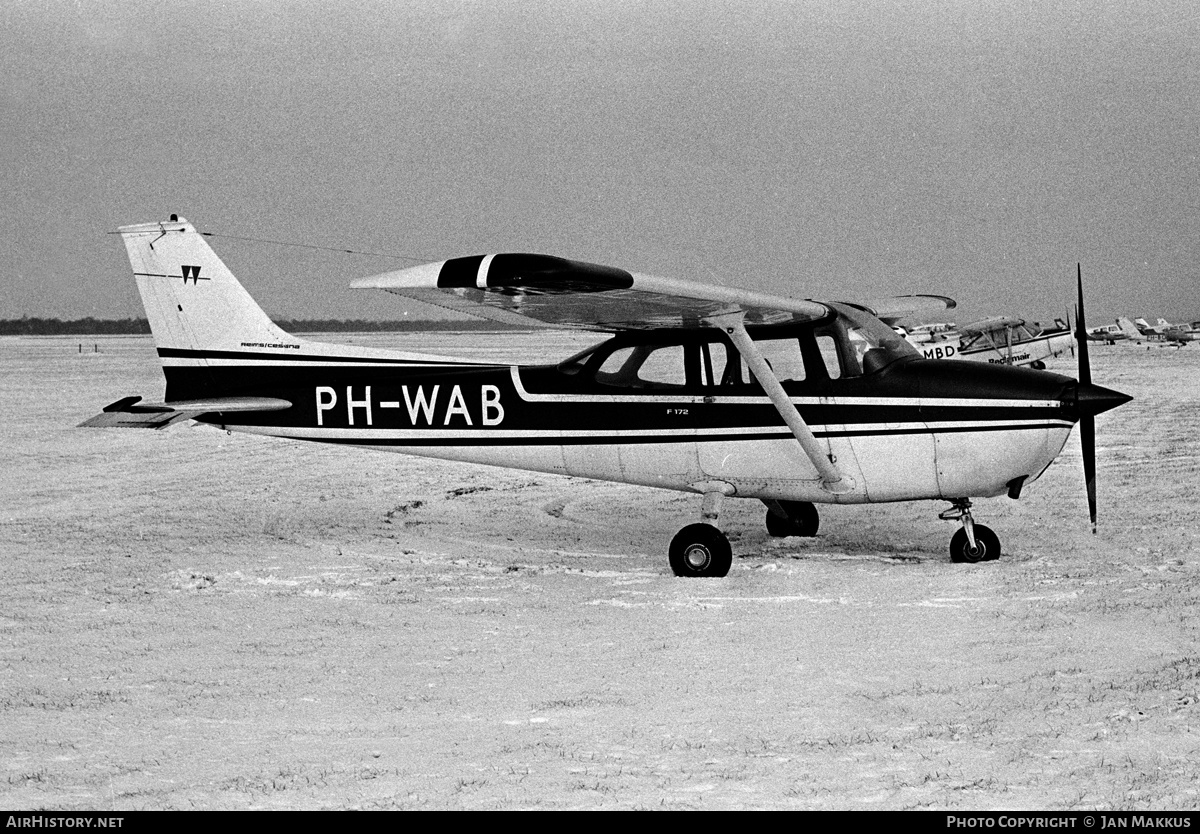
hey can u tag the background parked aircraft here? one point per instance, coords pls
(1112, 333)
(1157, 329)
(919, 334)
(1008, 341)
(997, 340)
(1183, 333)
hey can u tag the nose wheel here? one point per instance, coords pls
(973, 542)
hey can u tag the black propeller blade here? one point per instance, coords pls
(1087, 420)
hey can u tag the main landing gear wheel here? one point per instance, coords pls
(800, 519)
(700, 550)
(987, 546)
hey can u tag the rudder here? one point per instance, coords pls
(1128, 328)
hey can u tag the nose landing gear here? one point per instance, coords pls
(974, 542)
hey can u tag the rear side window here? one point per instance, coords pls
(784, 357)
(644, 366)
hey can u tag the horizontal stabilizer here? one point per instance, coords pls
(132, 413)
(134, 419)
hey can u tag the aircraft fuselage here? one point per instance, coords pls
(915, 429)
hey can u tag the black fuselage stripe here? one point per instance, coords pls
(633, 440)
(458, 398)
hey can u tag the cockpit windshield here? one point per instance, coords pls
(857, 343)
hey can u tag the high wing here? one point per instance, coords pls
(558, 292)
(892, 310)
(990, 324)
(543, 290)
(562, 293)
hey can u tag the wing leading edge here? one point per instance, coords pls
(892, 310)
(543, 290)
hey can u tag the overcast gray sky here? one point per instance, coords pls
(830, 149)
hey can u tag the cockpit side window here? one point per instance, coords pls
(783, 355)
(979, 341)
(665, 366)
(827, 344)
(692, 364)
(644, 366)
(716, 366)
(847, 343)
(840, 349)
(620, 368)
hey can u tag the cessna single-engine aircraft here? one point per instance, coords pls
(1181, 334)
(1121, 330)
(1164, 331)
(1147, 329)
(714, 391)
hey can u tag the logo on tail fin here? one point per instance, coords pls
(190, 273)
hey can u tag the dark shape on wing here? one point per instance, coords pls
(541, 273)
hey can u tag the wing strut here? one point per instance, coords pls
(734, 324)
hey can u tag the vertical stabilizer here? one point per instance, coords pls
(191, 298)
(1128, 328)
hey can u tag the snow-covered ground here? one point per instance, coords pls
(190, 619)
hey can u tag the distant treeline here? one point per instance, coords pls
(27, 326)
(75, 327)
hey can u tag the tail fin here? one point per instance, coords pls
(1128, 328)
(191, 298)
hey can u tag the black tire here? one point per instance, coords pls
(700, 550)
(1038, 365)
(778, 526)
(802, 520)
(988, 546)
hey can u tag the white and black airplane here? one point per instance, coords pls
(1164, 331)
(1181, 334)
(1119, 331)
(997, 340)
(708, 390)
